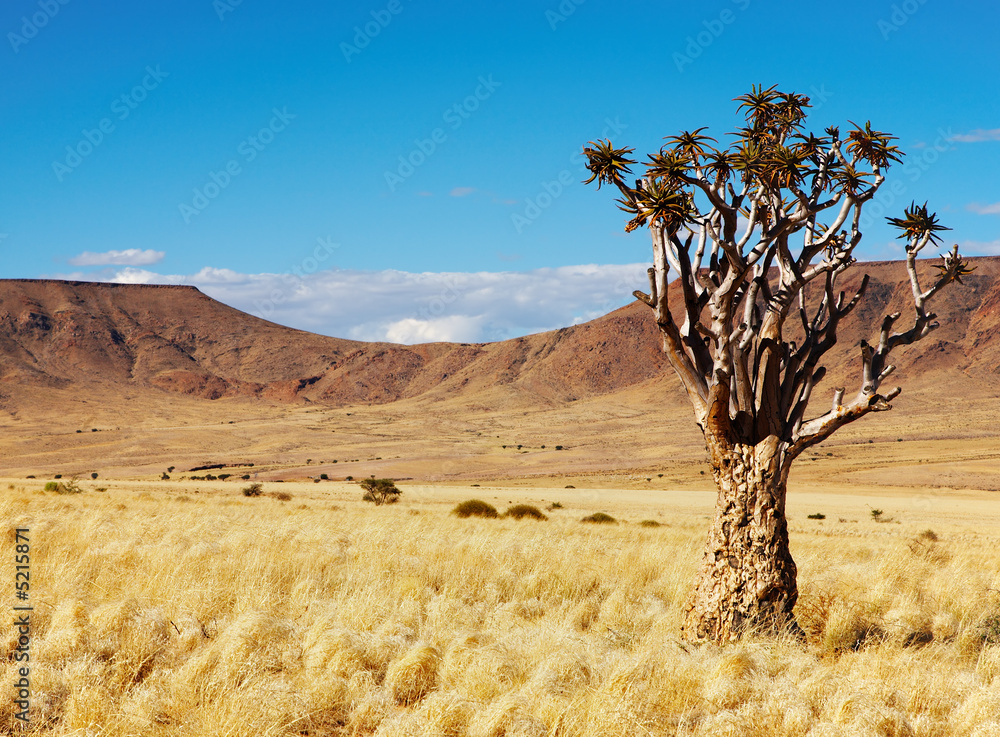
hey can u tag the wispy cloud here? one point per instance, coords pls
(978, 135)
(979, 209)
(462, 191)
(980, 248)
(404, 307)
(128, 257)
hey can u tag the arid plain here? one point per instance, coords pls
(181, 606)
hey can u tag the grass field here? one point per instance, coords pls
(160, 610)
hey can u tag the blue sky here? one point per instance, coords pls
(410, 170)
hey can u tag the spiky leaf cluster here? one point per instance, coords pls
(771, 155)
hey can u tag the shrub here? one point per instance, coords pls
(69, 486)
(650, 523)
(928, 535)
(475, 508)
(349, 478)
(170, 469)
(210, 477)
(559, 447)
(570, 486)
(253, 490)
(224, 476)
(522, 511)
(245, 477)
(164, 477)
(555, 505)
(316, 480)
(93, 475)
(818, 515)
(380, 491)
(281, 496)
(600, 518)
(324, 476)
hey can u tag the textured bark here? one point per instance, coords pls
(747, 577)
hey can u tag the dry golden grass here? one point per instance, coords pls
(222, 615)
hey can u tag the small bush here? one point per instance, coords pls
(70, 486)
(210, 477)
(349, 478)
(316, 481)
(600, 518)
(877, 516)
(93, 475)
(650, 523)
(224, 476)
(555, 505)
(928, 535)
(475, 508)
(324, 476)
(380, 491)
(525, 511)
(570, 486)
(253, 490)
(281, 496)
(818, 515)
(245, 477)
(559, 447)
(164, 477)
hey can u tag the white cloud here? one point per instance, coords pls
(979, 209)
(977, 135)
(462, 191)
(980, 248)
(128, 257)
(451, 329)
(403, 307)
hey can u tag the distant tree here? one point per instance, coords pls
(755, 314)
(380, 491)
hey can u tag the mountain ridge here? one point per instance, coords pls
(174, 338)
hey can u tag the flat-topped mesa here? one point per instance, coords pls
(100, 284)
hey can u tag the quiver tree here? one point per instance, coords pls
(757, 235)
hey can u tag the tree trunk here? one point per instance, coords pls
(747, 576)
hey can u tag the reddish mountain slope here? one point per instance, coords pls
(176, 339)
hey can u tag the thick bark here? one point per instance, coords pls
(747, 577)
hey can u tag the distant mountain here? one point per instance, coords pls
(175, 339)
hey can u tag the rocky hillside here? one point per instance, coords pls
(175, 339)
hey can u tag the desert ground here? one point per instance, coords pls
(180, 606)
(186, 608)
